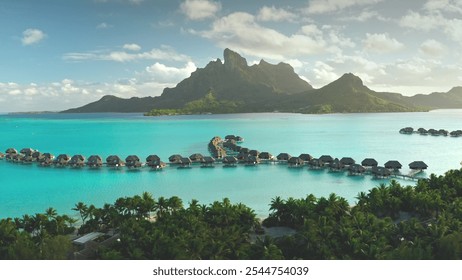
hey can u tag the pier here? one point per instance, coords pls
(224, 152)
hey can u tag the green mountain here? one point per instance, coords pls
(439, 100)
(113, 104)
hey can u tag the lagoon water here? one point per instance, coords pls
(29, 189)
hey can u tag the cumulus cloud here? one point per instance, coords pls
(327, 6)
(103, 25)
(432, 48)
(381, 43)
(324, 73)
(32, 36)
(453, 6)
(167, 74)
(199, 9)
(275, 14)
(132, 47)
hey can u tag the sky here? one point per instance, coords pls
(57, 54)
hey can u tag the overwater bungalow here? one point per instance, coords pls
(283, 157)
(433, 132)
(393, 165)
(347, 161)
(356, 169)
(36, 155)
(418, 165)
(316, 163)
(422, 131)
(326, 158)
(305, 157)
(196, 157)
(154, 162)
(94, 161)
(77, 161)
(336, 165)
(207, 161)
(244, 150)
(62, 160)
(251, 160)
(175, 159)
(406, 130)
(443, 132)
(114, 161)
(456, 133)
(27, 155)
(16, 158)
(234, 137)
(295, 162)
(254, 153)
(185, 162)
(229, 161)
(266, 156)
(9, 153)
(241, 157)
(133, 161)
(46, 159)
(380, 172)
(369, 162)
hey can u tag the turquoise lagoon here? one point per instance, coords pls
(29, 189)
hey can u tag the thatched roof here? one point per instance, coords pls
(229, 160)
(316, 163)
(245, 150)
(305, 157)
(242, 156)
(406, 130)
(252, 160)
(422, 130)
(27, 151)
(326, 158)
(336, 164)
(196, 157)
(380, 171)
(393, 164)
(356, 168)
(254, 153)
(95, 159)
(230, 137)
(114, 160)
(347, 161)
(11, 151)
(175, 158)
(77, 159)
(295, 161)
(207, 160)
(265, 155)
(418, 165)
(36, 154)
(46, 156)
(152, 158)
(185, 161)
(62, 159)
(283, 156)
(369, 162)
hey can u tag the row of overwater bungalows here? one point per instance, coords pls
(431, 131)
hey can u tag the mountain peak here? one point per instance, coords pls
(351, 79)
(233, 59)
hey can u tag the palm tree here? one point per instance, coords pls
(82, 209)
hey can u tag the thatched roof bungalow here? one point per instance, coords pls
(336, 165)
(326, 158)
(62, 160)
(77, 161)
(443, 132)
(94, 161)
(393, 164)
(229, 161)
(36, 155)
(305, 157)
(347, 161)
(114, 161)
(133, 161)
(9, 153)
(46, 156)
(356, 169)
(254, 153)
(155, 162)
(242, 156)
(27, 155)
(418, 165)
(422, 131)
(380, 172)
(406, 130)
(316, 163)
(207, 161)
(456, 133)
(283, 157)
(175, 159)
(295, 162)
(46, 161)
(369, 162)
(251, 160)
(185, 162)
(433, 132)
(196, 157)
(266, 156)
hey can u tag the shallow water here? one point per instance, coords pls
(30, 189)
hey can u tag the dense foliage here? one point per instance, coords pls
(388, 222)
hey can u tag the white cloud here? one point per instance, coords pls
(453, 6)
(275, 14)
(324, 73)
(103, 25)
(164, 53)
(381, 43)
(421, 22)
(132, 47)
(200, 9)
(327, 6)
(32, 36)
(166, 74)
(432, 48)
(240, 32)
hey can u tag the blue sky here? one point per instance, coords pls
(58, 54)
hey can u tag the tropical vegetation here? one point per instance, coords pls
(388, 222)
